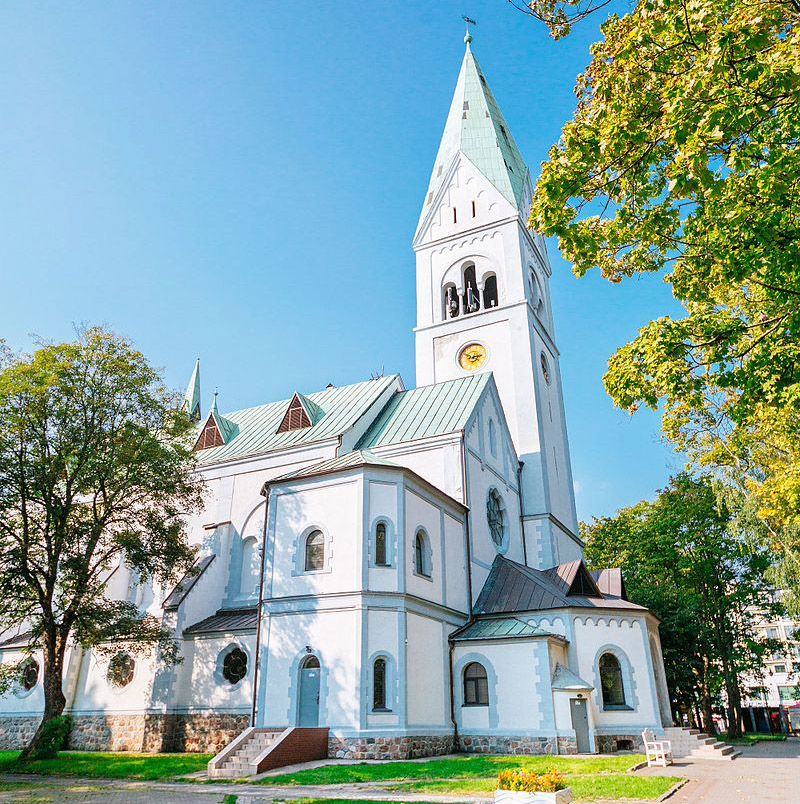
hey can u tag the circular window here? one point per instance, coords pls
(29, 675)
(496, 518)
(472, 356)
(120, 670)
(545, 368)
(234, 665)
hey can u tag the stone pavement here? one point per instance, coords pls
(765, 773)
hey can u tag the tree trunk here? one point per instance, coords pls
(54, 700)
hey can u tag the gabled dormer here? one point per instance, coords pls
(301, 413)
(216, 430)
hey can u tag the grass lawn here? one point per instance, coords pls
(107, 765)
(585, 787)
(591, 778)
(473, 767)
(749, 739)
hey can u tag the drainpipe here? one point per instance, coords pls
(456, 740)
(265, 494)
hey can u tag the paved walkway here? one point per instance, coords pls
(765, 773)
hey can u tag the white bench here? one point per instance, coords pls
(659, 752)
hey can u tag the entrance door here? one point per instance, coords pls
(308, 714)
(580, 722)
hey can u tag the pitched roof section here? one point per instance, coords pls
(565, 679)
(497, 628)
(350, 460)
(573, 578)
(185, 584)
(191, 399)
(257, 427)
(425, 412)
(610, 582)
(512, 587)
(476, 127)
(226, 621)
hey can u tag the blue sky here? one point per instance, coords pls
(240, 181)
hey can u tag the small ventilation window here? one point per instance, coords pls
(473, 209)
(455, 215)
(430, 198)
(466, 105)
(483, 80)
(295, 417)
(439, 170)
(234, 666)
(504, 133)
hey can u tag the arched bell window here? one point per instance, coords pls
(315, 551)
(611, 683)
(490, 292)
(471, 298)
(476, 685)
(449, 301)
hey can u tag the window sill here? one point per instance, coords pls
(473, 706)
(382, 711)
(423, 576)
(617, 708)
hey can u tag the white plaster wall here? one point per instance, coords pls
(19, 701)
(383, 637)
(421, 513)
(426, 672)
(203, 686)
(437, 460)
(383, 496)
(334, 505)
(334, 637)
(457, 587)
(630, 635)
(95, 693)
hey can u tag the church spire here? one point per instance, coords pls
(476, 127)
(191, 399)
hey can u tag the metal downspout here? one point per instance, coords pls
(265, 493)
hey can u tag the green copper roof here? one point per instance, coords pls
(258, 426)
(227, 428)
(499, 628)
(350, 460)
(424, 412)
(191, 399)
(476, 127)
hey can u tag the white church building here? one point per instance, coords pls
(401, 566)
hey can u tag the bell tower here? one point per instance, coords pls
(483, 303)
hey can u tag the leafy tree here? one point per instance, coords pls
(95, 471)
(685, 558)
(683, 158)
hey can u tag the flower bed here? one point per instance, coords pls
(523, 787)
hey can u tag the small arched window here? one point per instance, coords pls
(476, 685)
(450, 301)
(472, 302)
(611, 681)
(248, 583)
(380, 545)
(379, 685)
(490, 292)
(492, 438)
(496, 517)
(421, 562)
(315, 551)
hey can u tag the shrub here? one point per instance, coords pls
(54, 737)
(531, 782)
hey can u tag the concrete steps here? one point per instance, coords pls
(697, 745)
(258, 749)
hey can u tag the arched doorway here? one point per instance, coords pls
(308, 700)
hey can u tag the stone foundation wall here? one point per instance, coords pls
(151, 733)
(611, 743)
(390, 747)
(499, 744)
(16, 732)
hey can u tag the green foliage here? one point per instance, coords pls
(683, 158)
(55, 733)
(95, 471)
(685, 558)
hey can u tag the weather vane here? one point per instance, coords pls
(468, 21)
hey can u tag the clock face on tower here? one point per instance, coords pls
(472, 356)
